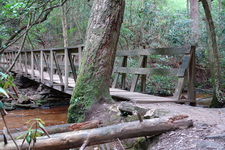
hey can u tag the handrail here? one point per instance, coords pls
(53, 66)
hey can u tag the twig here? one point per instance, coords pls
(3, 118)
(84, 145)
(139, 117)
(121, 144)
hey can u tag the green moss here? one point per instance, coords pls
(86, 92)
(140, 143)
(215, 103)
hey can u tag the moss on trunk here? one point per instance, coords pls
(93, 81)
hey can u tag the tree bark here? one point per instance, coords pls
(105, 134)
(218, 99)
(64, 25)
(194, 9)
(96, 67)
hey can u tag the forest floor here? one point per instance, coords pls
(208, 132)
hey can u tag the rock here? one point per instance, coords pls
(149, 114)
(35, 97)
(129, 108)
(23, 99)
(209, 145)
(10, 105)
(45, 91)
(156, 113)
(27, 105)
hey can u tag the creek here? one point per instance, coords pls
(52, 116)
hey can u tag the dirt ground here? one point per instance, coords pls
(208, 132)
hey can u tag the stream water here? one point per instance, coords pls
(17, 118)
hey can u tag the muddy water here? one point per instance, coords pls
(17, 118)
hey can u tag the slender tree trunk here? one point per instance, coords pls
(218, 99)
(96, 67)
(64, 25)
(194, 9)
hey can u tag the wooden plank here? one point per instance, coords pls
(66, 68)
(32, 65)
(150, 71)
(178, 89)
(51, 66)
(42, 65)
(156, 51)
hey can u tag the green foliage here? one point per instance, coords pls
(161, 85)
(5, 82)
(33, 132)
(1, 105)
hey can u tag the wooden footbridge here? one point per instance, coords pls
(58, 68)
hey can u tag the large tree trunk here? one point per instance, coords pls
(218, 99)
(105, 134)
(96, 67)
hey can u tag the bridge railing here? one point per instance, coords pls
(53, 67)
(57, 67)
(143, 69)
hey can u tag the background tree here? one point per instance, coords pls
(14, 16)
(218, 99)
(102, 35)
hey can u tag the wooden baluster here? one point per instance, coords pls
(32, 64)
(123, 80)
(25, 63)
(72, 66)
(134, 83)
(58, 68)
(79, 54)
(41, 66)
(20, 62)
(51, 67)
(66, 63)
(117, 74)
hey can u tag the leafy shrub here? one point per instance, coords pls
(161, 85)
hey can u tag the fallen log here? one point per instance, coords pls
(63, 128)
(104, 134)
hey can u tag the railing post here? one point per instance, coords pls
(123, 80)
(20, 62)
(25, 63)
(143, 77)
(32, 64)
(41, 66)
(66, 63)
(191, 77)
(79, 55)
(51, 66)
